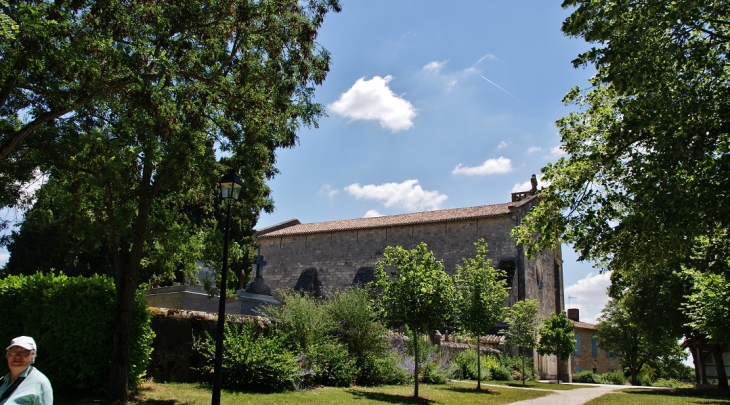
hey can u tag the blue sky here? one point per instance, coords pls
(435, 105)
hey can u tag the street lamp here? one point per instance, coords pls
(230, 186)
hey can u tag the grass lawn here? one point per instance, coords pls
(451, 393)
(669, 397)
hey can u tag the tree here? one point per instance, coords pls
(413, 290)
(153, 88)
(557, 336)
(7, 25)
(481, 291)
(522, 320)
(648, 147)
(618, 332)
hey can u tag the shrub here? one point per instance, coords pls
(464, 366)
(514, 364)
(328, 364)
(671, 383)
(433, 373)
(261, 364)
(74, 341)
(586, 377)
(353, 321)
(646, 375)
(300, 318)
(382, 369)
(501, 373)
(613, 377)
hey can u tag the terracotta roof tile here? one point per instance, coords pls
(583, 325)
(454, 214)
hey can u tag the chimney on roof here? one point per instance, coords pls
(573, 314)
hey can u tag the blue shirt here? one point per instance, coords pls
(34, 390)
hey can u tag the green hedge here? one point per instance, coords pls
(71, 320)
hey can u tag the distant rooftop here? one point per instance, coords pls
(294, 227)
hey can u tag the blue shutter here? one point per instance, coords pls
(594, 347)
(577, 344)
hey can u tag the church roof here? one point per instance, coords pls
(293, 227)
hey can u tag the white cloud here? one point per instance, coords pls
(527, 186)
(557, 151)
(533, 149)
(328, 190)
(502, 144)
(500, 165)
(372, 213)
(4, 257)
(435, 66)
(589, 296)
(374, 100)
(408, 195)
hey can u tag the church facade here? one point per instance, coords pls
(342, 253)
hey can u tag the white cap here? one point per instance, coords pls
(26, 342)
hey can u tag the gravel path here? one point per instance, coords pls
(568, 397)
(572, 397)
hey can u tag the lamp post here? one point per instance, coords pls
(230, 186)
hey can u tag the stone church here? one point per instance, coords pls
(344, 252)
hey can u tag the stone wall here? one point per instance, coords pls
(338, 256)
(600, 363)
(343, 258)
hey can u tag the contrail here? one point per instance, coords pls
(497, 86)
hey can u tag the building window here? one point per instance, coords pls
(576, 370)
(608, 354)
(577, 344)
(594, 347)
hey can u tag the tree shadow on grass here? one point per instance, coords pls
(389, 398)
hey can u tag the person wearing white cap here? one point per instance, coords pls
(24, 384)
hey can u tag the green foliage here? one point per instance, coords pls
(71, 320)
(708, 305)
(125, 104)
(464, 367)
(501, 373)
(354, 322)
(481, 291)
(619, 333)
(518, 368)
(328, 364)
(671, 383)
(557, 336)
(300, 318)
(523, 322)
(646, 375)
(384, 369)
(647, 148)
(586, 377)
(417, 293)
(251, 363)
(613, 377)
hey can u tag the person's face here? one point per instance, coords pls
(19, 358)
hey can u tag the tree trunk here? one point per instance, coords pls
(523, 365)
(720, 366)
(479, 365)
(127, 280)
(415, 360)
(634, 372)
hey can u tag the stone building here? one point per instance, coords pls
(344, 252)
(587, 354)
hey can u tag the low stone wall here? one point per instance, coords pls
(173, 357)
